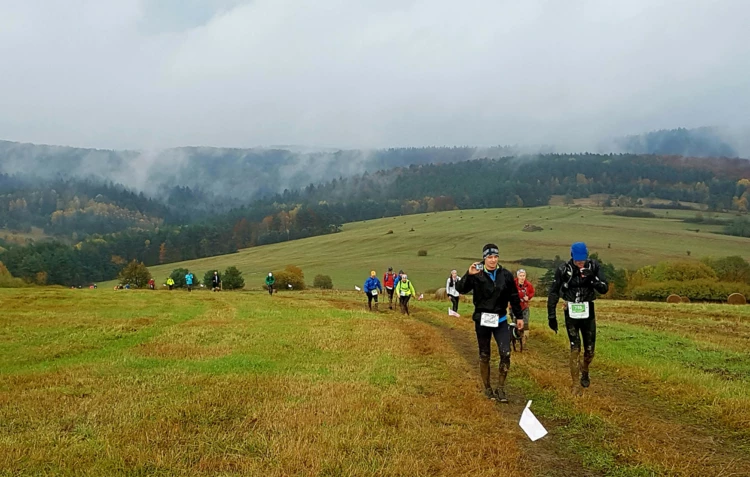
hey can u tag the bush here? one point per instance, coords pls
(295, 270)
(682, 271)
(323, 281)
(136, 274)
(730, 269)
(700, 219)
(178, 275)
(739, 227)
(8, 281)
(208, 278)
(644, 214)
(232, 279)
(285, 278)
(697, 290)
(422, 253)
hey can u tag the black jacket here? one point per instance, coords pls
(570, 285)
(489, 296)
(215, 280)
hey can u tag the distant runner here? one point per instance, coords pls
(270, 280)
(189, 281)
(577, 283)
(170, 283)
(450, 289)
(398, 278)
(216, 282)
(404, 290)
(151, 284)
(525, 293)
(389, 281)
(371, 288)
(493, 288)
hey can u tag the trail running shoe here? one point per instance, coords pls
(490, 394)
(585, 381)
(500, 395)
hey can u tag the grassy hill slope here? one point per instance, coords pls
(454, 239)
(98, 382)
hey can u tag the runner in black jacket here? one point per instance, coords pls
(577, 282)
(493, 288)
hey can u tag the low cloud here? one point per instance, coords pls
(147, 74)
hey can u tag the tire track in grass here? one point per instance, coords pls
(652, 432)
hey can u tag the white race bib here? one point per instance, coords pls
(402, 293)
(374, 293)
(490, 320)
(578, 311)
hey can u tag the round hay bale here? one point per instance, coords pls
(736, 299)
(684, 299)
(441, 294)
(674, 299)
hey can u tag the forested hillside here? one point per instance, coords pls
(110, 225)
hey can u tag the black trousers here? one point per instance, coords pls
(404, 301)
(390, 294)
(370, 298)
(454, 300)
(581, 330)
(502, 339)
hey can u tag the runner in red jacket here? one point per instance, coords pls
(525, 293)
(388, 282)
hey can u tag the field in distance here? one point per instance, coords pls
(454, 239)
(103, 382)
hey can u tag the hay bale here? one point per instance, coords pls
(532, 228)
(684, 299)
(441, 294)
(736, 299)
(674, 299)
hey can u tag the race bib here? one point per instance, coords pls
(490, 320)
(374, 293)
(402, 293)
(578, 311)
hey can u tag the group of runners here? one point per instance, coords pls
(396, 284)
(494, 288)
(189, 281)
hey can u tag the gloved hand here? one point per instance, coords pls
(552, 322)
(587, 273)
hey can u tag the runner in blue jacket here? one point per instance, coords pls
(372, 288)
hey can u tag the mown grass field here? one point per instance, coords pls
(103, 382)
(455, 239)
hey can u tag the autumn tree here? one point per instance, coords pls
(135, 273)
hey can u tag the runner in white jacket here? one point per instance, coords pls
(450, 289)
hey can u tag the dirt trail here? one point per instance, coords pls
(541, 458)
(544, 458)
(649, 431)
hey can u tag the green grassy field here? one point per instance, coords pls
(455, 239)
(103, 382)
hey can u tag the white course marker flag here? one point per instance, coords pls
(357, 288)
(453, 313)
(531, 425)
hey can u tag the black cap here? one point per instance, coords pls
(390, 269)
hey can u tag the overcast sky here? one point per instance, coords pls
(361, 73)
